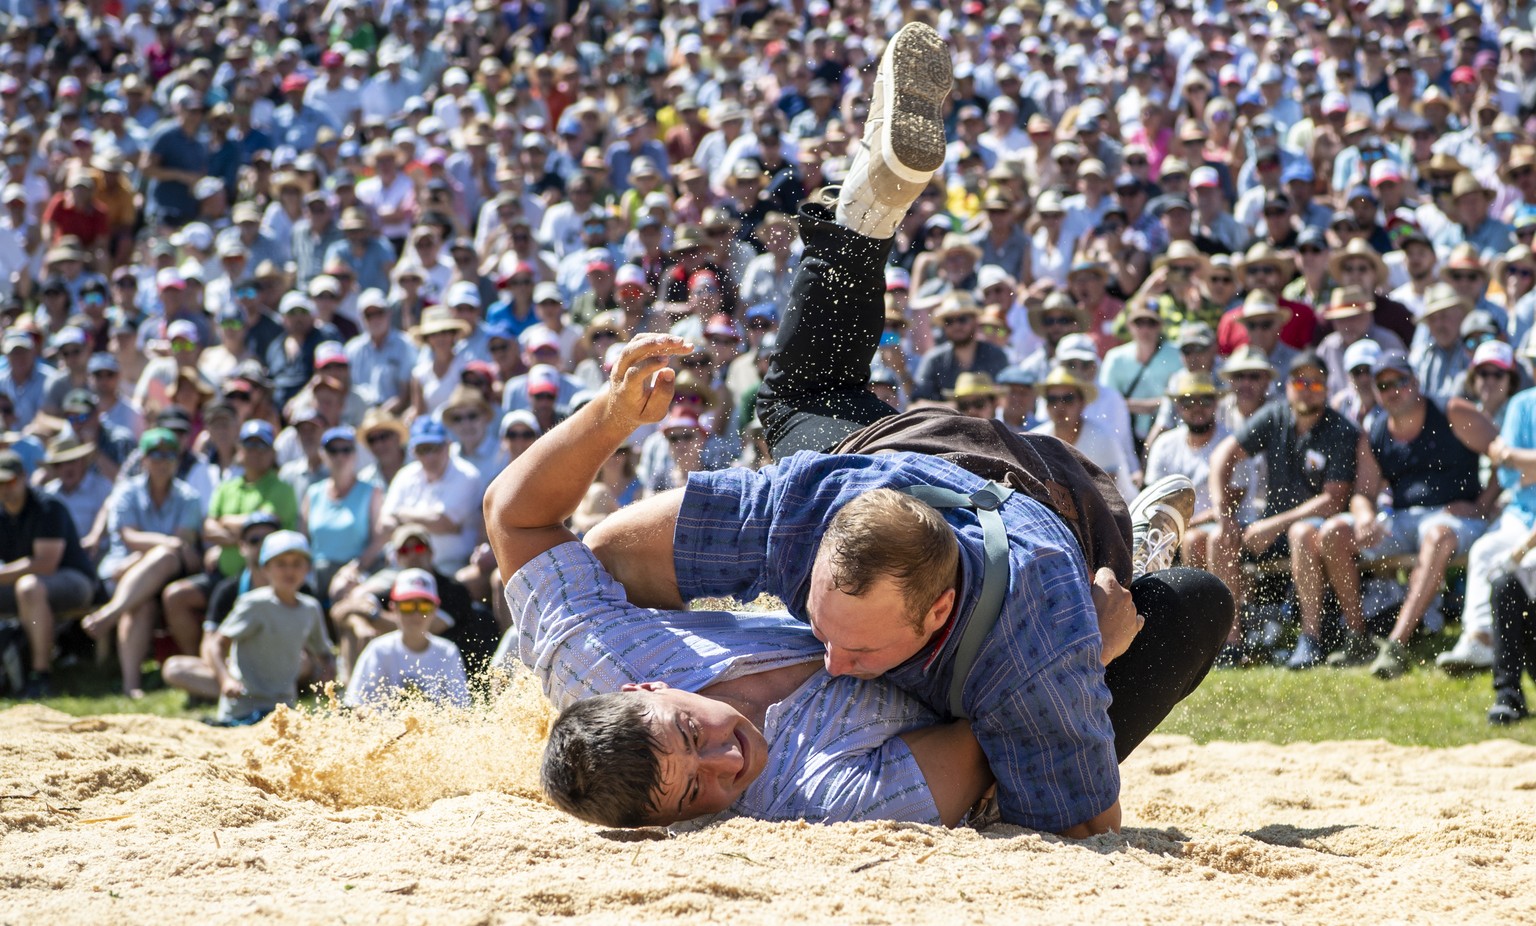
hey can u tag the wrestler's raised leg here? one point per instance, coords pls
(816, 391)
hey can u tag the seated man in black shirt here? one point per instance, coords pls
(43, 569)
(1309, 450)
(1429, 461)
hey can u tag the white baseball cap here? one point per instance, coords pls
(280, 542)
(463, 293)
(1497, 353)
(1363, 353)
(1077, 347)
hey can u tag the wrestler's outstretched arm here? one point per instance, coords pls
(527, 504)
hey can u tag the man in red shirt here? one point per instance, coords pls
(75, 212)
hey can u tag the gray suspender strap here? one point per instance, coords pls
(994, 582)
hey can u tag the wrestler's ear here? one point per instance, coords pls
(938, 614)
(646, 686)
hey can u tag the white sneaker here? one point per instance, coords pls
(1159, 516)
(1468, 655)
(903, 142)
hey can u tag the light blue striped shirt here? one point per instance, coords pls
(834, 752)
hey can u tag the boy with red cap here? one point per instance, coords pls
(410, 659)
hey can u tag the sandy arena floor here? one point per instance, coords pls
(430, 820)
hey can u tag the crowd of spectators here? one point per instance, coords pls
(319, 271)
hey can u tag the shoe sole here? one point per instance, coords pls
(1150, 501)
(916, 77)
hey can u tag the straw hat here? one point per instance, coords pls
(1361, 249)
(971, 385)
(1185, 252)
(67, 448)
(1185, 383)
(1466, 183)
(992, 316)
(1247, 359)
(1519, 254)
(68, 248)
(688, 237)
(437, 320)
(957, 302)
(1061, 376)
(1261, 254)
(610, 321)
(1439, 298)
(688, 382)
(1056, 302)
(467, 397)
(377, 419)
(1465, 256)
(957, 242)
(1442, 163)
(1261, 303)
(1521, 156)
(1347, 302)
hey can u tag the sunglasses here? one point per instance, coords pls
(972, 405)
(1390, 383)
(1306, 384)
(1136, 162)
(417, 606)
(379, 437)
(1265, 324)
(416, 548)
(161, 454)
(1196, 401)
(424, 449)
(183, 347)
(1062, 398)
(238, 396)
(1248, 376)
(1057, 321)
(1489, 372)
(520, 434)
(958, 320)
(1463, 276)
(466, 418)
(1222, 279)
(1524, 273)
(1146, 323)
(340, 450)
(679, 437)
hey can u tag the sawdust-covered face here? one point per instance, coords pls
(709, 752)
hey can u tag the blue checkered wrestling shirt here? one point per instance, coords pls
(834, 752)
(1036, 694)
